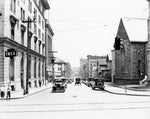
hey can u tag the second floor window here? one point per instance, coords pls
(39, 33)
(35, 28)
(39, 19)
(12, 32)
(22, 16)
(13, 6)
(22, 38)
(30, 6)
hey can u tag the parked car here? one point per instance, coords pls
(98, 84)
(90, 82)
(59, 86)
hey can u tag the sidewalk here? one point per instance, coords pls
(32, 91)
(134, 90)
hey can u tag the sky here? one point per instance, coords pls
(88, 27)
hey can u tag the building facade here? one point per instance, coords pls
(129, 63)
(49, 51)
(95, 67)
(22, 43)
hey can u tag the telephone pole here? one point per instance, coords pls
(28, 21)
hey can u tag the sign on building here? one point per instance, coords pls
(10, 53)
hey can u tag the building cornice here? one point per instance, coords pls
(17, 46)
(45, 4)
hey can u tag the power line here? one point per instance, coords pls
(81, 29)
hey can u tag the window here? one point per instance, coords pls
(42, 24)
(43, 69)
(39, 19)
(29, 66)
(39, 33)
(43, 37)
(12, 32)
(13, 6)
(30, 23)
(43, 46)
(29, 42)
(35, 41)
(39, 46)
(35, 13)
(22, 15)
(35, 67)
(35, 28)
(30, 6)
(139, 67)
(22, 37)
(39, 68)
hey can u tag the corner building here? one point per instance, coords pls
(17, 41)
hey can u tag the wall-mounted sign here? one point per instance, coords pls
(10, 53)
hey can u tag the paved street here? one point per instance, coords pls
(78, 102)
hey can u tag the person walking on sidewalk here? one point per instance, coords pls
(8, 93)
(2, 92)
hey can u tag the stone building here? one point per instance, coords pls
(49, 51)
(22, 43)
(129, 63)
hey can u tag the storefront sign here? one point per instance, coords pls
(10, 53)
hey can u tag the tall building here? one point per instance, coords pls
(49, 51)
(22, 43)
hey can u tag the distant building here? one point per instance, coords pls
(95, 67)
(83, 68)
(129, 63)
(59, 68)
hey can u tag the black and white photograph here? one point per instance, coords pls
(74, 59)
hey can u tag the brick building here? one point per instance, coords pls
(129, 63)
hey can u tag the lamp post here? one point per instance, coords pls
(28, 21)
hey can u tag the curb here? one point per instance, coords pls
(127, 94)
(129, 88)
(24, 96)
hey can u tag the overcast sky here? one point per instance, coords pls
(88, 27)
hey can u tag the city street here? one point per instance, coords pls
(77, 102)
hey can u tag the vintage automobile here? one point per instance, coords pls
(59, 85)
(78, 81)
(98, 84)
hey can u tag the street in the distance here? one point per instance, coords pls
(78, 101)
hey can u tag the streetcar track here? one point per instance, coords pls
(77, 110)
(90, 103)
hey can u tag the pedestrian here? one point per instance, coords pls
(8, 93)
(40, 82)
(2, 92)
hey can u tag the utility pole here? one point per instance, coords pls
(28, 21)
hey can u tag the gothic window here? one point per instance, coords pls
(139, 67)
